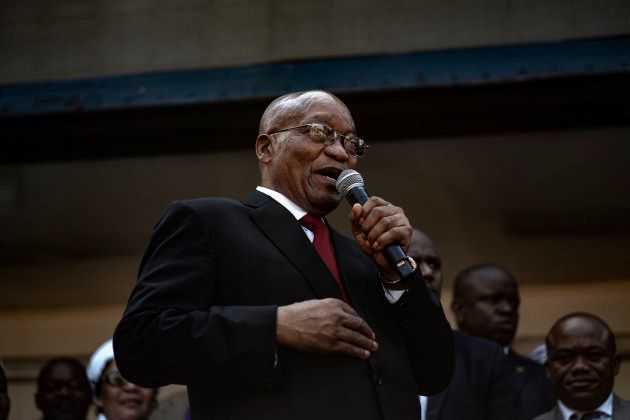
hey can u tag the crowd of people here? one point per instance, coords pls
(264, 311)
(66, 389)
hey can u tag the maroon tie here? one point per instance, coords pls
(322, 245)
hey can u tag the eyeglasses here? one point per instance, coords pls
(115, 379)
(321, 133)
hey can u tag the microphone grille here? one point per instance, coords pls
(347, 180)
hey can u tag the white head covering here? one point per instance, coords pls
(103, 355)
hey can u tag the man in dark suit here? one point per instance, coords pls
(582, 363)
(266, 312)
(483, 384)
(485, 303)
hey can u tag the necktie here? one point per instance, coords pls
(592, 415)
(321, 242)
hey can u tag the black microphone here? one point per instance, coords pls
(350, 184)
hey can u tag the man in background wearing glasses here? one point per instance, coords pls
(264, 311)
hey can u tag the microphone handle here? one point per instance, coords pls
(393, 253)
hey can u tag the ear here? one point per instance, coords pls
(263, 148)
(457, 307)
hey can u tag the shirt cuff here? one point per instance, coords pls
(392, 295)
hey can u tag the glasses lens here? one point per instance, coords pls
(354, 145)
(322, 133)
(115, 379)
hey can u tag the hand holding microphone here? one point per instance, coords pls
(381, 229)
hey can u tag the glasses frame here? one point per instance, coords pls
(329, 141)
(115, 379)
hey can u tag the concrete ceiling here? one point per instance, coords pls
(551, 205)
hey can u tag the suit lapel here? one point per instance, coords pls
(520, 370)
(281, 228)
(434, 405)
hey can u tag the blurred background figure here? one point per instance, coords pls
(483, 386)
(485, 303)
(116, 398)
(63, 392)
(5, 402)
(539, 354)
(583, 362)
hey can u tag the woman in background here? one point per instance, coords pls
(116, 398)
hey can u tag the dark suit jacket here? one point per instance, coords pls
(534, 386)
(203, 313)
(621, 411)
(483, 386)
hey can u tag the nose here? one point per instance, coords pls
(427, 271)
(63, 391)
(337, 149)
(580, 364)
(506, 307)
(130, 387)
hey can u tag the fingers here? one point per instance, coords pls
(324, 326)
(383, 223)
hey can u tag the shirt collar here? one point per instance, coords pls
(295, 210)
(605, 408)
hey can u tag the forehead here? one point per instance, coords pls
(63, 371)
(579, 332)
(491, 281)
(316, 107)
(422, 247)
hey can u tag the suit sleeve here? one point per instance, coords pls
(503, 401)
(172, 333)
(427, 335)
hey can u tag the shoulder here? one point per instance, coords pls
(549, 415)
(203, 207)
(478, 345)
(525, 363)
(620, 405)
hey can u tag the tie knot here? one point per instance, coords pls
(312, 223)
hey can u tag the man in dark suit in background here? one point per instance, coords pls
(485, 303)
(266, 312)
(582, 363)
(483, 385)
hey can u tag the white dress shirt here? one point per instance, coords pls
(606, 408)
(298, 212)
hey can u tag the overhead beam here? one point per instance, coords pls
(454, 92)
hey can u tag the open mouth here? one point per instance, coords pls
(131, 402)
(331, 173)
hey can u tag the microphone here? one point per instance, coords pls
(350, 184)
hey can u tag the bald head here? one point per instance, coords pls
(583, 360)
(289, 109)
(297, 163)
(468, 278)
(422, 250)
(486, 301)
